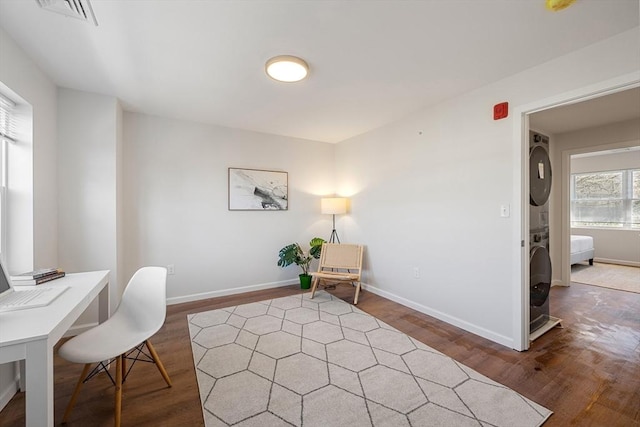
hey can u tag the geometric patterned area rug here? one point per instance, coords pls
(296, 361)
(621, 277)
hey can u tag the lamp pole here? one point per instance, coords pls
(334, 233)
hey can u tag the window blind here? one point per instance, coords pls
(7, 119)
(7, 135)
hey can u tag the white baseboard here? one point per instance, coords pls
(9, 391)
(559, 283)
(617, 261)
(230, 291)
(469, 327)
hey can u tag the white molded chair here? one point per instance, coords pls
(339, 263)
(140, 315)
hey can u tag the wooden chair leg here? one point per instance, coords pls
(314, 286)
(118, 405)
(355, 300)
(76, 392)
(158, 363)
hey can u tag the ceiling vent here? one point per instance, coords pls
(80, 9)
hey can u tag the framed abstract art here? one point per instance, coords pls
(258, 190)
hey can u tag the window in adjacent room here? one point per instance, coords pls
(606, 199)
(6, 135)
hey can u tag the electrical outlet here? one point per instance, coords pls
(416, 273)
(171, 269)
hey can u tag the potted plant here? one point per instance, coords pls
(293, 254)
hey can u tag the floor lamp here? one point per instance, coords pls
(333, 206)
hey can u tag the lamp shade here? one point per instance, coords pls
(333, 205)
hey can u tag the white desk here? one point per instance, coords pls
(31, 334)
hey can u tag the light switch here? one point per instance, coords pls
(505, 210)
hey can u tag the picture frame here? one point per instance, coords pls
(258, 190)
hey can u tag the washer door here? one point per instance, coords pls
(539, 276)
(539, 176)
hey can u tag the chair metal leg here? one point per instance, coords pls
(118, 408)
(76, 392)
(158, 363)
(124, 368)
(314, 286)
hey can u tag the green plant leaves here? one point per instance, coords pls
(289, 255)
(293, 254)
(316, 247)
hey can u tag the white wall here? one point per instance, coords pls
(426, 192)
(176, 204)
(88, 182)
(119, 275)
(33, 229)
(610, 161)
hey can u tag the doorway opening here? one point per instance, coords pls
(537, 116)
(604, 212)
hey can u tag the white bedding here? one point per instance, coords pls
(582, 249)
(581, 243)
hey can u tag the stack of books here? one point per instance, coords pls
(37, 277)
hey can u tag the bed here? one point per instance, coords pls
(581, 249)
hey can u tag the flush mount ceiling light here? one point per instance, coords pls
(286, 68)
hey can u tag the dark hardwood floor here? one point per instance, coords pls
(588, 373)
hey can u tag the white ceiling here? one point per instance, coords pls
(372, 62)
(595, 112)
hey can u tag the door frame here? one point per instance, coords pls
(520, 271)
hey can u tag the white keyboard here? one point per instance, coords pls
(22, 299)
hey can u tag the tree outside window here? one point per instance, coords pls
(606, 199)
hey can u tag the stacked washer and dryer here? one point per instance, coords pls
(539, 260)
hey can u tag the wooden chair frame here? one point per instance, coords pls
(339, 263)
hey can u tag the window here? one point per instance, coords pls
(635, 199)
(606, 199)
(6, 135)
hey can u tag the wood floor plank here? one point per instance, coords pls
(588, 372)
